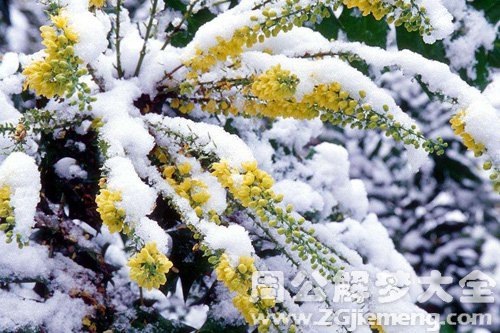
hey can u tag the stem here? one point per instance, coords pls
(118, 39)
(146, 38)
(178, 27)
(140, 296)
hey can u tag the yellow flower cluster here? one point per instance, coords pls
(224, 49)
(187, 187)
(399, 12)
(183, 107)
(149, 267)
(272, 24)
(458, 126)
(275, 84)
(111, 215)
(213, 106)
(6, 213)
(254, 189)
(97, 3)
(239, 280)
(55, 73)
(324, 97)
(367, 7)
(5, 208)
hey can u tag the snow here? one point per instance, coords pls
(301, 195)
(68, 168)
(233, 239)
(478, 33)
(91, 35)
(209, 138)
(124, 133)
(481, 119)
(138, 199)
(20, 172)
(329, 169)
(316, 174)
(9, 64)
(491, 91)
(440, 20)
(149, 231)
(329, 70)
(59, 314)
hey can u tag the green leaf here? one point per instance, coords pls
(329, 27)
(414, 42)
(191, 265)
(152, 321)
(491, 9)
(194, 22)
(364, 28)
(213, 326)
(494, 55)
(175, 5)
(446, 328)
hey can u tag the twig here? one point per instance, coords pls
(146, 38)
(179, 26)
(140, 296)
(118, 39)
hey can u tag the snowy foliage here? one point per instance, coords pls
(156, 153)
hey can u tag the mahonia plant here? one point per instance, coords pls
(152, 110)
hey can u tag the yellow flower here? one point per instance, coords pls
(246, 307)
(458, 126)
(149, 267)
(367, 7)
(239, 280)
(5, 208)
(256, 184)
(225, 48)
(275, 84)
(375, 325)
(6, 214)
(97, 3)
(54, 74)
(191, 189)
(184, 168)
(111, 216)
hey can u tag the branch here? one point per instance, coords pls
(146, 38)
(178, 27)
(118, 39)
